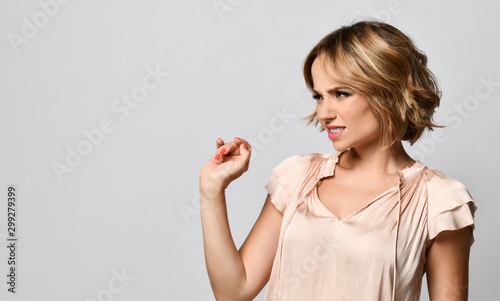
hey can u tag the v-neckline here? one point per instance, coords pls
(403, 173)
(355, 212)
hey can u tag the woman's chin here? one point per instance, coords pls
(339, 147)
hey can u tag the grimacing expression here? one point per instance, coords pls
(342, 106)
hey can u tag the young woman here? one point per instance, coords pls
(364, 223)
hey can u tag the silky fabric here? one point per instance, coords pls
(377, 252)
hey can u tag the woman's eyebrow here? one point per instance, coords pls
(333, 90)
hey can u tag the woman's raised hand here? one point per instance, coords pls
(231, 160)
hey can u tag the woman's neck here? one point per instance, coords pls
(376, 160)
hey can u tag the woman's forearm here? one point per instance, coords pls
(224, 264)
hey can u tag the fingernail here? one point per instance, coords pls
(244, 145)
(217, 156)
(219, 139)
(223, 151)
(236, 138)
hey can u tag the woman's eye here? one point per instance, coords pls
(338, 94)
(342, 94)
(317, 97)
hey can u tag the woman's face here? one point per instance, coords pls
(343, 112)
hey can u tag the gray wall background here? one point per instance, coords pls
(129, 206)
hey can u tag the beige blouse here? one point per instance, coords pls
(376, 252)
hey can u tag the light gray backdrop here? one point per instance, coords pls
(110, 108)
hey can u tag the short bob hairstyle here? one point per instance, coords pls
(382, 63)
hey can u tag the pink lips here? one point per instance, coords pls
(333, 136)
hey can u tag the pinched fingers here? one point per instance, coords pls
(240, 141)
(230, 148)
(227, 149)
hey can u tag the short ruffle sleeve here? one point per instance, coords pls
(450, 205)
(292, 175)
(277, 192)
(278, 185)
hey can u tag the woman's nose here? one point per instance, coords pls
(325, 111)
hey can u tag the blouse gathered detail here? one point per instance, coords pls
(375, 253)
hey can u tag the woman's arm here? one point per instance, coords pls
(235, 275)
(447, 265)
(239, 275)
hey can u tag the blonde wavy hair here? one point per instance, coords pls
(379, 61)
